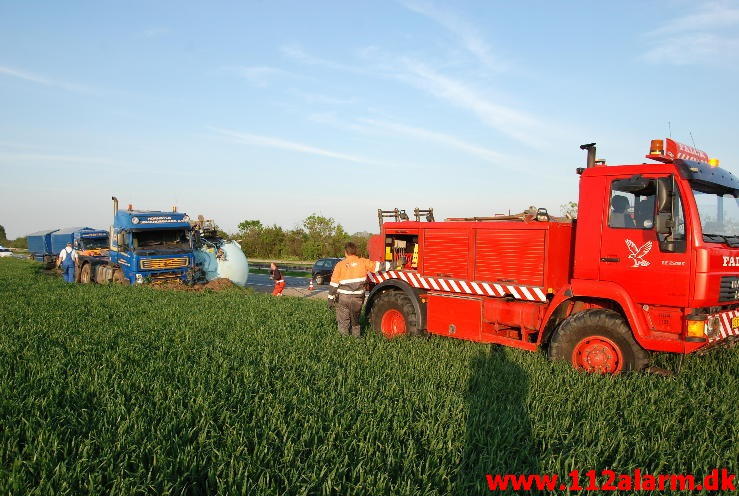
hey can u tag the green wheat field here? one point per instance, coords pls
(130, 390)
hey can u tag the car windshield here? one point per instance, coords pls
(719, 213)
(94, 243)
(164, 238)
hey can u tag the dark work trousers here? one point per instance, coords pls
(348, 309)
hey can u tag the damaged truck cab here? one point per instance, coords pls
(650, 264)
(145, 246)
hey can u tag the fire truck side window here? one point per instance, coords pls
(632, 209)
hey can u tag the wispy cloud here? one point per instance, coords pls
(52, 158)
(705, 35)
(440, 138)
(320, 99)
(262, 76)
(153, 32)
(296, 53)
(272, 142)
(42, 80)
(465, 31)
(505, 119)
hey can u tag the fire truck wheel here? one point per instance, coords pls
(393, 315)
(598, 341)
(86, 274)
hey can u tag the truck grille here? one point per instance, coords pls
(729, 289)
(164, 263)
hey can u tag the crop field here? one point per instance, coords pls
(128, 390)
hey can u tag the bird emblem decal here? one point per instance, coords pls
(638, 253)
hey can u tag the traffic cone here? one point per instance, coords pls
(310, 285)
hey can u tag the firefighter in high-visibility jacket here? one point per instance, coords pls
(346, 293)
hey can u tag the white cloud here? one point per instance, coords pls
(262, 76)
(316, 98)
(436, 137)
(272, 142)
(35, 78)
(153, 32)
(506, 120)
(706, 35)
(469, 36)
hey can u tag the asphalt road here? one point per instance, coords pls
(294, 286)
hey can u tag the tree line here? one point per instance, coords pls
(12, 243)
(316, 237)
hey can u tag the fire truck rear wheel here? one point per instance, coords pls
(86, 274)
(393, 315)
(598, 341)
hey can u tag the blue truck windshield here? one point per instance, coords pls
(93, 243)
(719, 214)
(161, 238)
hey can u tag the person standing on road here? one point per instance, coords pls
(276, 275)
(67, 259)
(346, 293)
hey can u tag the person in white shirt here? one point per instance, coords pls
(68, 261)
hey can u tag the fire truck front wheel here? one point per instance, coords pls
(393, 315)
(598, 341)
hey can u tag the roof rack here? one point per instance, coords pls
(395, 214)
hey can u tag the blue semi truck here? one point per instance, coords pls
(145, 246)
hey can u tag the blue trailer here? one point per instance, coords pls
(39, 245)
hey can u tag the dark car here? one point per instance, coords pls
(323, 268)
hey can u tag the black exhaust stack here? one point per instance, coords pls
(590, 147)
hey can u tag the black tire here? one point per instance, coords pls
(603, 340)
(397, 301)
(85, 276)
(319, 279)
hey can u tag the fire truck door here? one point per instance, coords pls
(630, 252)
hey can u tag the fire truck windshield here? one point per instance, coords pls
(718, 208)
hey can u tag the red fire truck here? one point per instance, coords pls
(650, 264)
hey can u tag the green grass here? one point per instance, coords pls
(129, 390)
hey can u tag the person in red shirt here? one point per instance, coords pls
(276, 275)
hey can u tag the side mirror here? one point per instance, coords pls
(665, 191)
(120, 239)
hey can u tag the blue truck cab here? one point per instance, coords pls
(148, 246)
(86, 240)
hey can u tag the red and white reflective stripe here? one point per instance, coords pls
(527, 293)
(725, 320)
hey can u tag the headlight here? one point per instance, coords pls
(139, 279)
(134, 220)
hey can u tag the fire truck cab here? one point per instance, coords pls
(650, 264)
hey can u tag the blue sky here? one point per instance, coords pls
(274, 110)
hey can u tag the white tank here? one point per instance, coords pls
(226, 260)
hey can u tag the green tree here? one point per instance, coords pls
(569, 209)
(3, 237)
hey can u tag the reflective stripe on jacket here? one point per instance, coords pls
(350, 276)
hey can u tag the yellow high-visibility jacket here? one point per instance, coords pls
(350, 276)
